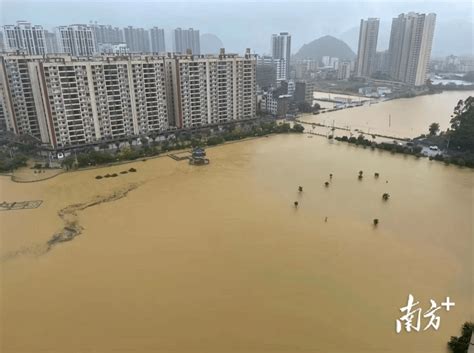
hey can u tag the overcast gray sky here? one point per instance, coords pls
(241, 24)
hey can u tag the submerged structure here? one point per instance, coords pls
(198, 157)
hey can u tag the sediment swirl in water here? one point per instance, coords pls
(72, 228)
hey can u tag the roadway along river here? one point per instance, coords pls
(407, 117)
(217, 259)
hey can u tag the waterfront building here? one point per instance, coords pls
(66, 101)
(213, 89)
(185, 40)
(266, 72)
(281, 54)
(304, 91)
(368, 35)
(382, 62)
(137, 39)
(344, 70)
(25, 38)
(291, 87)
(77, 40)
(17, 101)
(305, 69)
(410, 45)
(157, 39)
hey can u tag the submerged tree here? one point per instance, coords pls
(462, 125)
(461, 344)
(434, 128)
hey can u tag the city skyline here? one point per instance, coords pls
(209, 19)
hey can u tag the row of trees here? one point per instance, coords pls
(461, 132)
(362, 141)
(149, 149)
(9, 162)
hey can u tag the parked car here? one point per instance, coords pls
(434, 148)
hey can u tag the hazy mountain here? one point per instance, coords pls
(210, 44)
(325, 46)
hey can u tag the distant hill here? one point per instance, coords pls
(210, 44)
(325, 46)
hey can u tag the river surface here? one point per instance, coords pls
(408, 117)
(176, 258)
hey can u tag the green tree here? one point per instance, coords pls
(304, 107)
(462, 125)
(434, 128)
(298, 128)
(461, 344)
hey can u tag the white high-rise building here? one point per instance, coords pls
(77, 40)
(137, 39)
(185, 40)
(157, 39)
(67, 101)
(24, 37)
(51, 42)
(213, 90)
(281, 53)
(366, 53)
(107, 34)
(326, 60)
(344, 70)
(21, 109)
(411, 39)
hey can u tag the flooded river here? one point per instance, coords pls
(176, 258)
(408, 117)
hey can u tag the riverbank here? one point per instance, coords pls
(103, 159)
(414, 149)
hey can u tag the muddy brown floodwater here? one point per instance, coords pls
(176, 258)
(407, 117)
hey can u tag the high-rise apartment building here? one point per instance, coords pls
(137, 39)
(185, 40)
(411, 39)
(17, 96)
(281, 53)
(24, 37)
(382, 62)
(67, 101)
(368, 35)
(266, 72)
(77, 40)
(344, 70)
(51, 42)
(107, 34)
(212, 90)
(157, 39)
